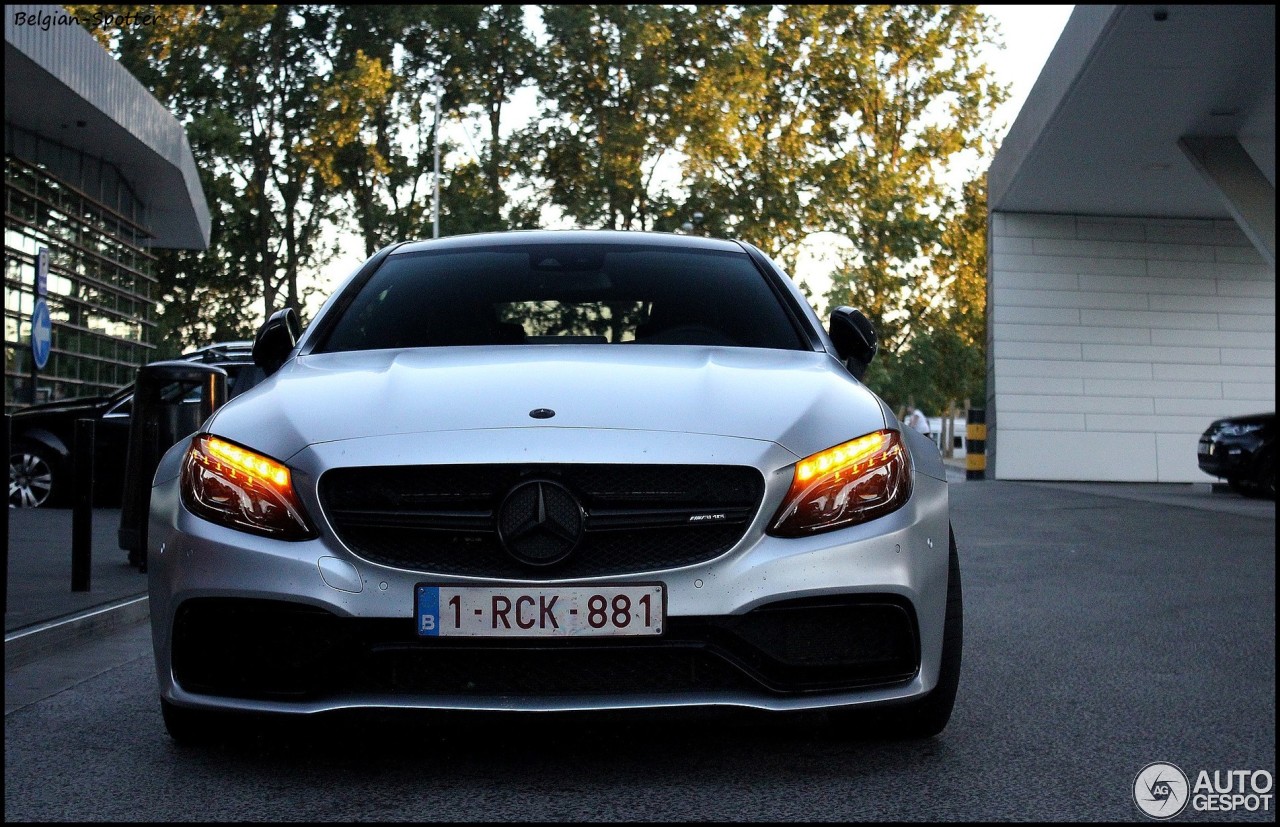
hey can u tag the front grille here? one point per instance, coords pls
(245, 648)
(441, 518)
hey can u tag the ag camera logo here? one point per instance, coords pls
(1160, 790)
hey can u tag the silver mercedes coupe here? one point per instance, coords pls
(557, 471)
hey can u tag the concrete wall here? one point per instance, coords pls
(1114, 342)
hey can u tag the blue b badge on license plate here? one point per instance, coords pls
(428, 612)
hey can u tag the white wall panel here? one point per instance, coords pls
(1154, 422)
(1048, 386)
(1153, 355)
(1115, 341)
(1077, 455)
(1007, 296)
(1176, 457)
(1154, 389)
(1076, 368)
(1027, 421)
(1110, 229)
(1208, 409)
(1238, 356)
(1212, 373)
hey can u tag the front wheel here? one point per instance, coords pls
(928, 716)
(32, 476)
(1264, 475)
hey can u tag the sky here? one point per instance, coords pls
(1028, 33)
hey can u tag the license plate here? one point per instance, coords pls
(551, 611)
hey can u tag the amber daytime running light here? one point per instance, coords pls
(851, 483)
(238, 488)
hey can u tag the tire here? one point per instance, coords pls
(35, 478)
(928, 716)
(1264, 476)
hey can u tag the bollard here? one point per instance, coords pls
(976, 445)
(82, 506)
(4, 586)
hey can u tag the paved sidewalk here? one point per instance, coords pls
(41, 610)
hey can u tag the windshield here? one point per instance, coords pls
(562, 294)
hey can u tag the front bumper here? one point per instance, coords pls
(1227, 457)
(263, 625)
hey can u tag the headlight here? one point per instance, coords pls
(235, 487)
(851, 483)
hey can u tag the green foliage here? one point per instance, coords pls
(466, 60)
(944, 360)
(613, 78)
(751, 129)
(774, 122)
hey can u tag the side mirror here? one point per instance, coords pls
(276, 339)
(855, 339)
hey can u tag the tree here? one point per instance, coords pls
(266, 109)
(906, 99)
(467, 60)
(201, 294)
(944, 360)
(751, 140)
(960, 266)
(493, 56)
(783, 121)
(612, 79)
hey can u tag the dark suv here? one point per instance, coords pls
(40, 456)
(1241, 450)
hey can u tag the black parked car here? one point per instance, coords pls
(40, 454)
(1241, 450)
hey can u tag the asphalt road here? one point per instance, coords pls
(1106, 628)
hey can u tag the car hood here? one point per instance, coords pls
(803, 401)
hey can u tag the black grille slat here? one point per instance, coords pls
(440, 518)
(427, 520)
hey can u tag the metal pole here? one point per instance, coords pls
(4, 587)
(82, 507)
(435, 139)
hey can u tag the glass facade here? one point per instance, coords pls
(101, 283)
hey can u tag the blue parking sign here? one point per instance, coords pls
(41, 334)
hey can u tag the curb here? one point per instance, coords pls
(30, 643)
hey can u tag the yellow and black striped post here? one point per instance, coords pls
(975, 443)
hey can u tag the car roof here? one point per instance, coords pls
(516, 238)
